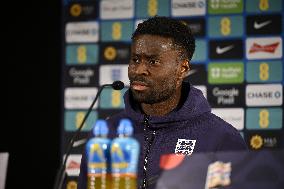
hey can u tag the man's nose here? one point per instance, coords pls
(142, 68)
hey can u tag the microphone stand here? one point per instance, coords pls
(60, 176)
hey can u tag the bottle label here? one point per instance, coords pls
(98, 156)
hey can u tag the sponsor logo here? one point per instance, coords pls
(113, 9)
(151, 8)
(224, 7)
(79, 98)
(80, 76)
(264, 48)
(116, 31)
(118, 52)
(73, 165)
(80, 142)
(225, 26)
(263, 140)
(71, 185)
(234, 116)
(261, 25)
(229, 49)
(256, 6)
(218, 174)
(220, 50)
(197, 74)
(264, 24)
(223, 95)
(112, 99)
(264, 95)
(111, 73)
(264, 71)
(81, 54)
(263, 118)
(196, 25)
(188, 7)
(82, 10)
(185, 147)
(222, 73)
(73, 119)
(82, 32)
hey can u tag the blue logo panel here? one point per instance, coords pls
(263, 118)
(73, 119)
(200, 54)
(258, 6)
(82, 54)
(112, 99)
(264, 71)
(150, 8)
(116, 30)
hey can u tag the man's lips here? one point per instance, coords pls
(139, 86)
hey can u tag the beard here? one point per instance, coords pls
(158, 91)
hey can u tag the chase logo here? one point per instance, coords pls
(149, 8)
(116, 31)
(188, 7)
(113, 9)
(264, 95)
(112, 99)
(225, 6)
(82, 32)
(115, 52)
(79, 98)
(111, 73)
(263, 118)
(259, 6)
(226, 95)
(82, 10)
(264, 71)
(264, 48)
(223, 73)
(73, 120)
(81, 54)
(226, 26)
(264, 24)
(234, 116)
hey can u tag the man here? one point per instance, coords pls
(166, 111)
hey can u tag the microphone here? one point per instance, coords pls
(116, 85)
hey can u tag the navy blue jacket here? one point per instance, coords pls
(159, 135)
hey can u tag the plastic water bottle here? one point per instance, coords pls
(124, 157)
(98, 158)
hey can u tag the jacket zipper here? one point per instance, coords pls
(148, 143)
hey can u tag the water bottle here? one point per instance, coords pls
(98, 158)
(124, 157)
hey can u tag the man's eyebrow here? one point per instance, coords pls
(147, 56)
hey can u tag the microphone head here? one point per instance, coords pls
(117, 85)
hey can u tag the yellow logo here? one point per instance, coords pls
(256, 141)
(76, 10)
(110, 53)
(71, 185)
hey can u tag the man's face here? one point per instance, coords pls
(153, 69)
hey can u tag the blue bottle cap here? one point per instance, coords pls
(100, 128)
(125, 127)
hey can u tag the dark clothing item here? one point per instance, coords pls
(173, 133)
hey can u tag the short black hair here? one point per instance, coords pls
(168, 27)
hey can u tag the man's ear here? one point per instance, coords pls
(185, 68)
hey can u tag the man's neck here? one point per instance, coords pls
(162, 108)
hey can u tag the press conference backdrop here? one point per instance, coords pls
(238, 62)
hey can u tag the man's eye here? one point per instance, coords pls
(153, 61)
(135, 60)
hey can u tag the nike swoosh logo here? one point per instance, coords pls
(261, 25)
(79, 142)
(191, 72)
(220, 50)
